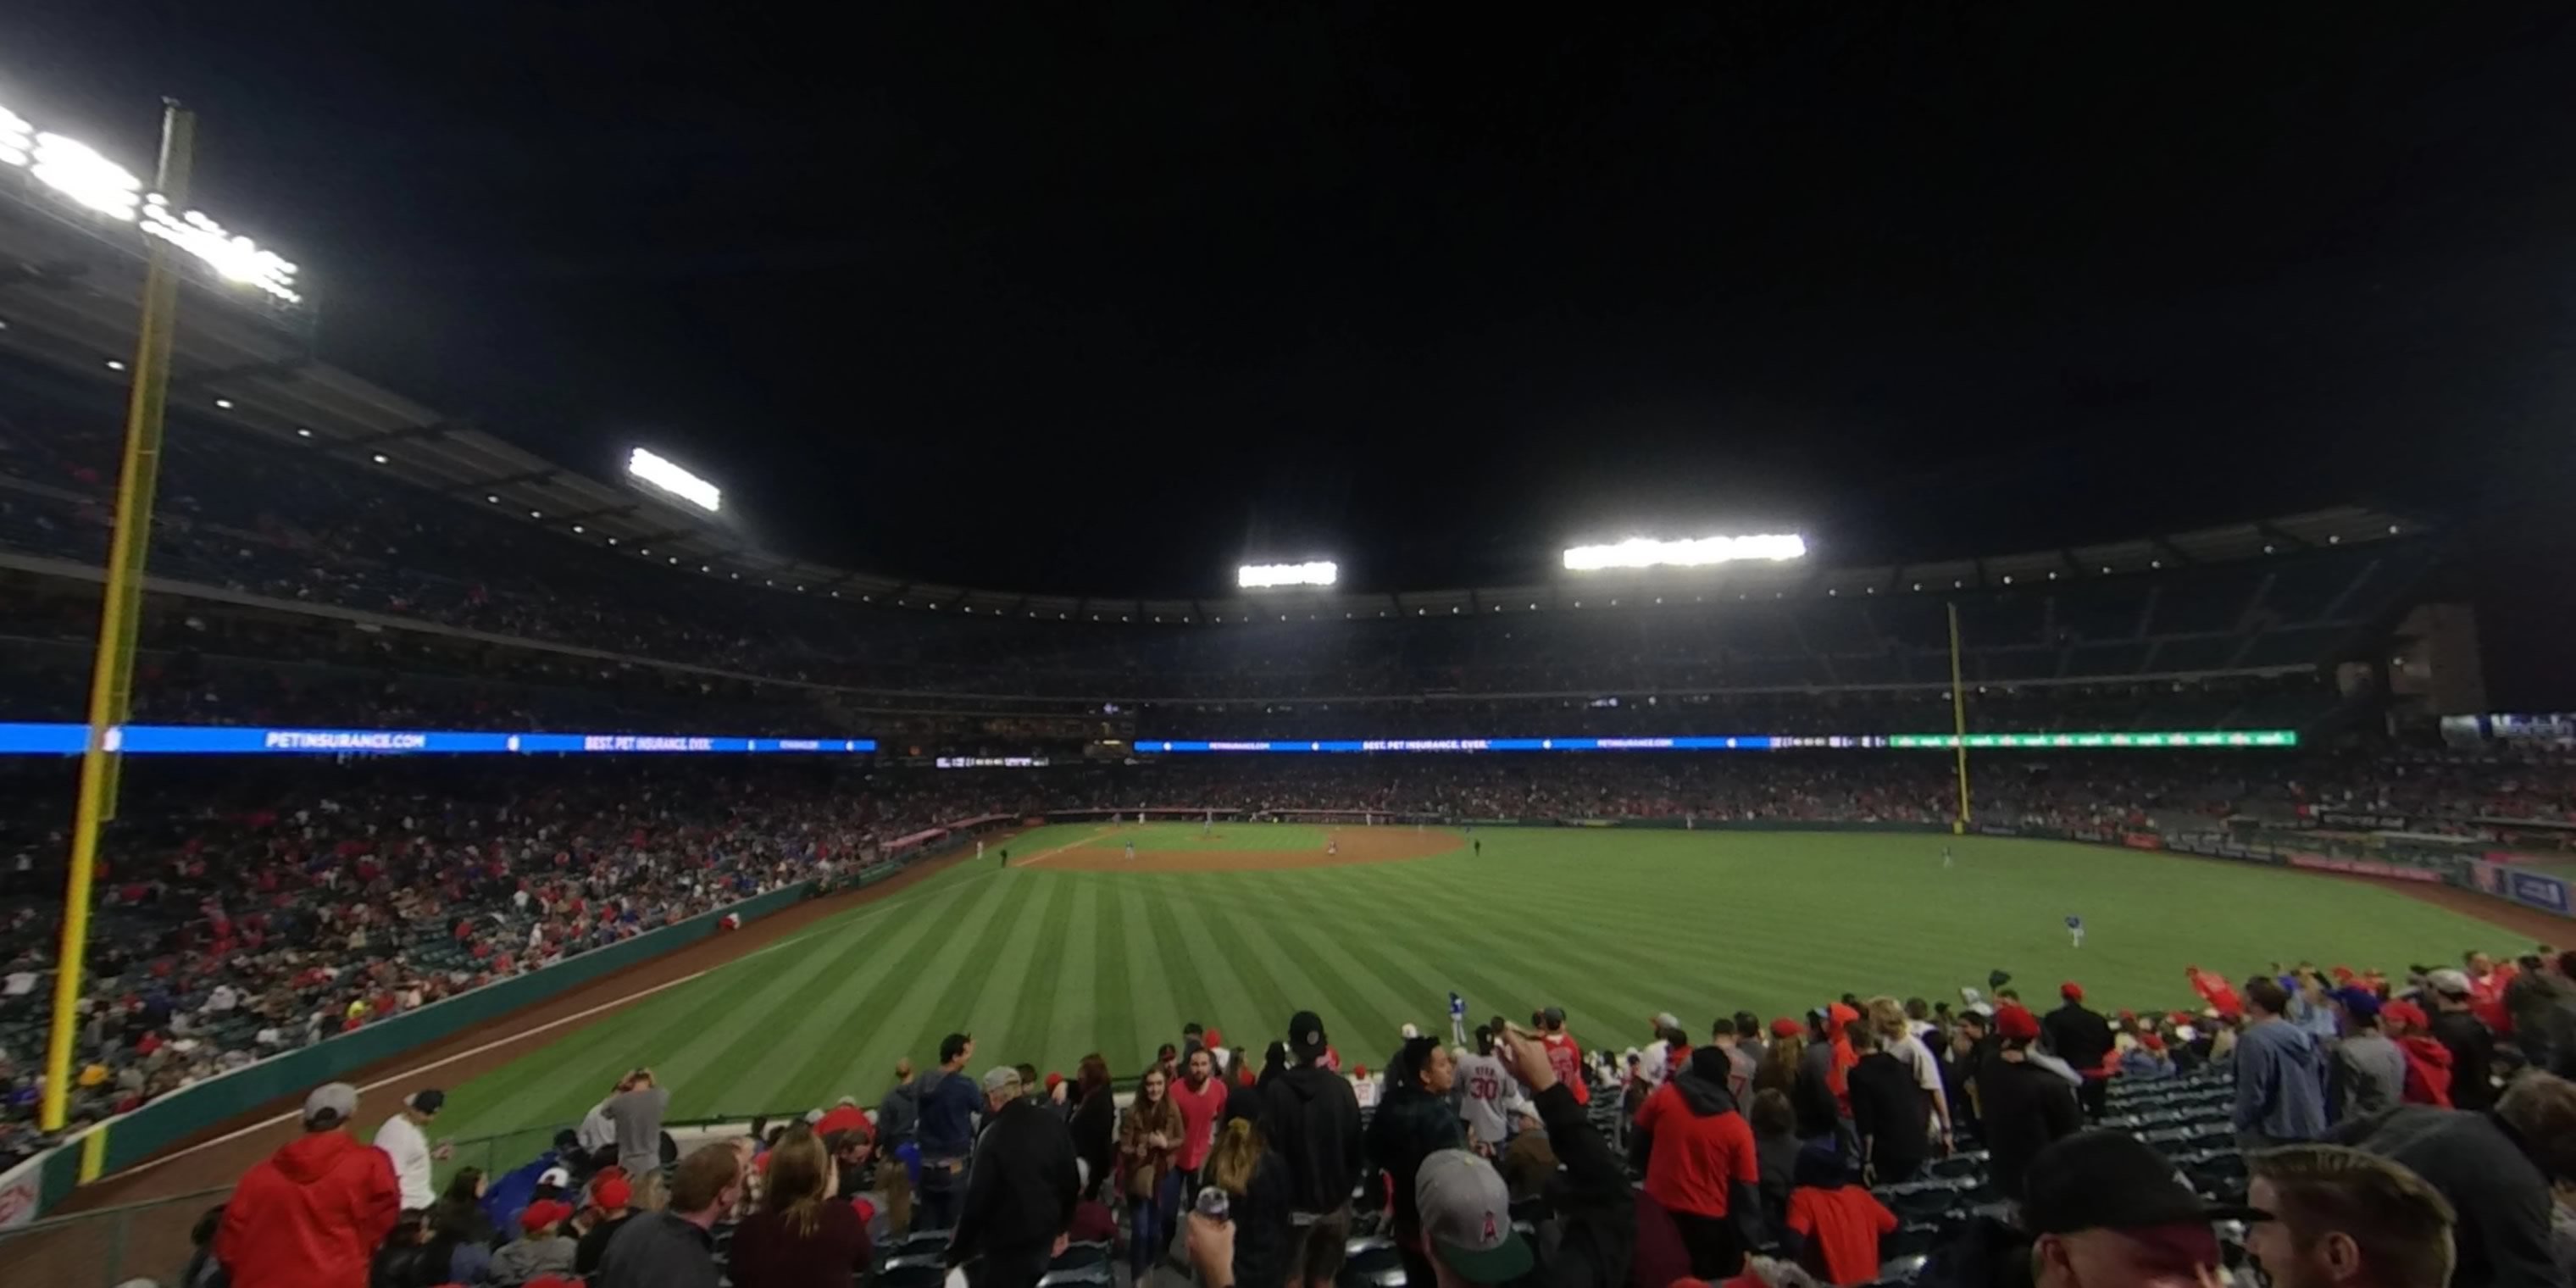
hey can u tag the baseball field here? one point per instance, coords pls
(1075, 947)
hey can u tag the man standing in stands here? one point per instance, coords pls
(1312, 1118)
(2369, 1070)
(1021, 1191)
(899, 1114)
(2082, 1038)
(1891, 1116)
(637, 1113)
(676, 1247)
(1487, 1095)
(2344, 1217)
(2280, 1075)
(403, 1141)
(1564, 1054)
(1740, 1063)
(947, 1132)
(2105, 1209)
(1201, 1099)
(2466, 1037)
(1698, 1156)
(2022, 1106)
(2496, 1169)
(311, 1214)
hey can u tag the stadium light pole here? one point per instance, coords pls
(111, 688)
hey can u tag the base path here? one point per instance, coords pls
(1353, 845)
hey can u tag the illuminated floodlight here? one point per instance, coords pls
(17, 139)
(674, 480)
(76, 170)
(1645, 552)
(234, 258)
(1320, 572)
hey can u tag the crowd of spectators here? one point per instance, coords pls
(2056, 1149)
(240, 911)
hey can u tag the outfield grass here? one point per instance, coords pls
(1614, 926)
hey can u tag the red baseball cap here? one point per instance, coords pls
(2071, 991)
(2406, 1013)
(2016, 1024)
(2151, 1042)
(611, 1192)
(1785, 1027)
(543, 1213)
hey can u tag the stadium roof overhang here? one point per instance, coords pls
(70, 303)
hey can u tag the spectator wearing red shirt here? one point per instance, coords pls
(1201, 1100)
(311, 1215)
(1564, 1054)
(1700, 1164)
(1834, 1224)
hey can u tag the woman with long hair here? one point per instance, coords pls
(1095, 1122)
(1146, 1144)
(801, 1237)
(1779, 1068)
(1254, 1180)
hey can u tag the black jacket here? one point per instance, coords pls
(1811, 1096)
(2472, 1051)
(1021, 1187)
(1409, 1126)
(1987, 1254)
(1311, 1117)
(1263, 1227)
(1595, 1210)
(2478, 1162)
(2025, 1107)
(1892, 1112)
(1095, 1133)
(2077, 1036)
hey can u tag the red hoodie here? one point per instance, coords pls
(2428, 1070)
(310, 1216)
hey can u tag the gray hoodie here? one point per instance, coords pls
(2280, 1083)
(2369, 1075)
(528, 1258)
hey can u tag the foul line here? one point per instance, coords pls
(495, 1044)
(1096, 833)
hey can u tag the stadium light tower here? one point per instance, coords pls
(667, 477)
(1646, 552)
(1314, 572)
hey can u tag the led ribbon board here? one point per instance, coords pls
(1735, 742)
(230, 740)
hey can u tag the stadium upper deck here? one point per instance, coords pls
(293, 487)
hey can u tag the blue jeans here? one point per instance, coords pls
(1150, 1224)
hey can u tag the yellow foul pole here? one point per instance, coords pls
(112, 674)
(1958, 724)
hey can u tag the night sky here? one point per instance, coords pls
(1103, 298)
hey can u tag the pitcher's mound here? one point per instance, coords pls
(1352, 845)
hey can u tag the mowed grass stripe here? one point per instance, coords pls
(1491, 978)
(1149, 1007)
(1108, 1014)
(871, 973)
(1192, 1000)
(757, 1067)
(1230, 1008)
(924, 992)
(1070, 1030)
(1269, 1001)
(1010, 976)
